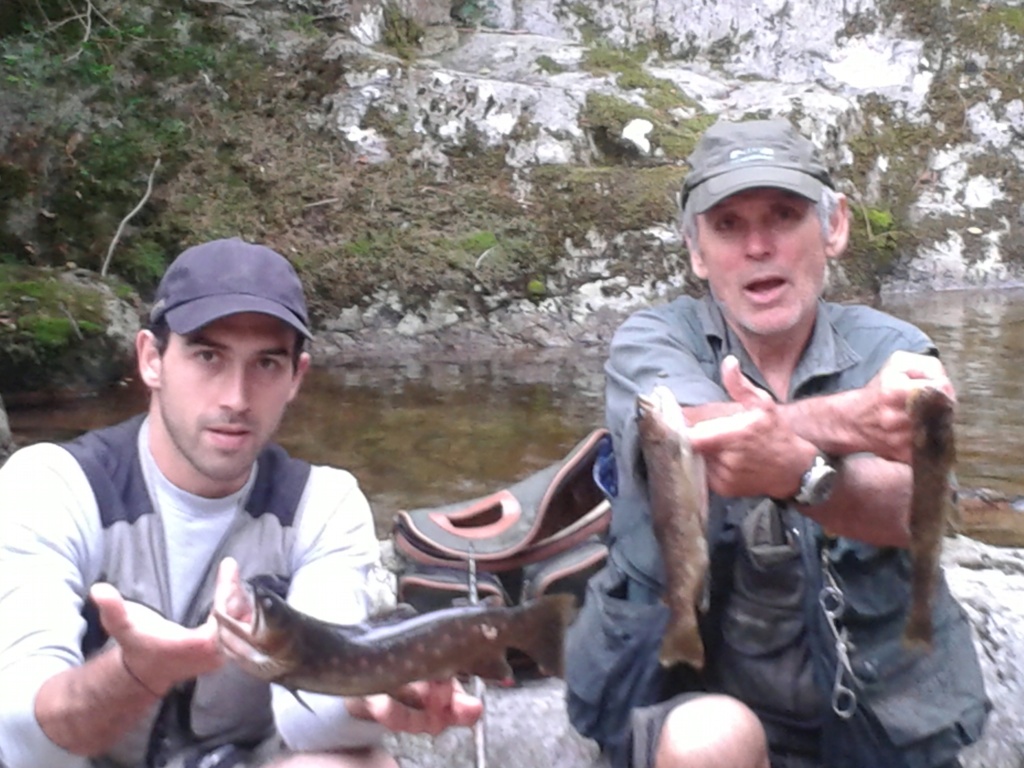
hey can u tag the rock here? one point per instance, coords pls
(989, 583)
(527, 726)
(6, 441)
(524, 727)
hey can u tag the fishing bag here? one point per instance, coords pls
(545, 534)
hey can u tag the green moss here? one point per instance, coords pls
(608, 115)
(606, 200)
(536, 289)
(401, 34)
(548, 66)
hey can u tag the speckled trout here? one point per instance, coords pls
(285, 646)
(679, 504)
(933, 455)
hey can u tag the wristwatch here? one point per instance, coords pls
(817, 483)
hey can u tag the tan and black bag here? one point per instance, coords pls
(544, 534)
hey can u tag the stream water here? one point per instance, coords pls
(423, 434)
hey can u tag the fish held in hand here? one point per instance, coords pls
(282, 645)
(932, 457)
(679, 502)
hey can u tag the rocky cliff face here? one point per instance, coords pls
(450, 170)
(917, 104)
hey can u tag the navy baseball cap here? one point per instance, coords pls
(225, 277)
(733, 157)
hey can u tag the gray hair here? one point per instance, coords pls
(825, 207)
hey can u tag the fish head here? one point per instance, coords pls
(659, 410)
(261, 643)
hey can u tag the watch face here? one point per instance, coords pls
(817, 483)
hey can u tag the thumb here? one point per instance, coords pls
(740, 388)
(111, 607)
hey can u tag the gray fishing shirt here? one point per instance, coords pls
(769, 630)
(681, 345)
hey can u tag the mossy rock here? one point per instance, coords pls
(56, 332)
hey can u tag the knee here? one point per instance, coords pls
(712, 731)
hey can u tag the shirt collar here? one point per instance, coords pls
(826, 354)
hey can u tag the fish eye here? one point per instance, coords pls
(267, 602)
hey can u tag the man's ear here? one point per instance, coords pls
(839, 230)
(696, 260)
(301, 367)
(149, 359)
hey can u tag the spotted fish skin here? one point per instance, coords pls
(303, 653)
(678, 495)
(932, 459)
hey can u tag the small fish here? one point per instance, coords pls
(933, 456)
(284, 646)
(679, 503)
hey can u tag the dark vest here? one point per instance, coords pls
(226, 706)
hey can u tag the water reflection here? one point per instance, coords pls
(981, 338)
(425, 434)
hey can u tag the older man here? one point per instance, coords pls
(799, 410)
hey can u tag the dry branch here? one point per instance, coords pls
(126, 219)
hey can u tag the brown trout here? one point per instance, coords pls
(284, 646)
(933, 455)
(679, 502)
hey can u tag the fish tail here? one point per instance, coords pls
(682, 643)
(918, 631)
(541, 635)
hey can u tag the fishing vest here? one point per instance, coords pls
(897, 707)
(226, 706)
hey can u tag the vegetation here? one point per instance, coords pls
(93, 92)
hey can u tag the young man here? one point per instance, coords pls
(111, 548)
(798, 407)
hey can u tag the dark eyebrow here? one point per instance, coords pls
(199, 339)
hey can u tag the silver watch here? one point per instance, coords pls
(817, 483)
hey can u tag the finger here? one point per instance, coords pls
(739, 387)
(712, 435)
(111, 607)
(230, 597)
(439, 696)
(465, 709)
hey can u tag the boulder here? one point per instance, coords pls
(527, 726)
(6, 441)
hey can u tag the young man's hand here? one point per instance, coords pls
(438, 705)
(155, 651)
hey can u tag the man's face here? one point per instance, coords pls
(218, 396)
(763, 254)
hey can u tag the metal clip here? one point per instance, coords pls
(479, 735)
(833, 603)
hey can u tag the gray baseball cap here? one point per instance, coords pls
(225, 277)
(732, 157)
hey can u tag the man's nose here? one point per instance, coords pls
(235, 389)
(758, 242)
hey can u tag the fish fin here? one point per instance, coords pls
(491, 601)
(541, 633)
(491, 667)
(682, 643)
(393, 615)
(301, 701)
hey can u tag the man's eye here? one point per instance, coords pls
(270, 363)
(206, 355)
